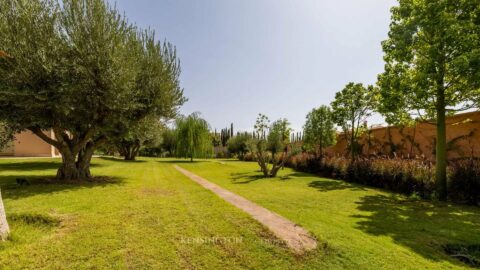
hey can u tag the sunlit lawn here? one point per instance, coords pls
(151, 216)
(364, 227)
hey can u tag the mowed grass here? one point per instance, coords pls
(149, 216)
(364, 228)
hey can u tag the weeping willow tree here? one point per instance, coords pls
(192, 137)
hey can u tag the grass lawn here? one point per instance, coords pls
(151, 216)
(363, 228)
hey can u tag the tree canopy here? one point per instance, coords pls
(6, 134)
(192, 136)
(144, 133)
(83, 71)
(270, 146)
(351, 108)
(432, 66)
(319, 130)
(238, 145)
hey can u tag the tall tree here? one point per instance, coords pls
(319, 131)
(432, 66)
(192, 135)
(81, 70)
(351, 108)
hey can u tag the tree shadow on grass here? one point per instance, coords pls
(248, 177)
(294, 175)
(44, 185)
(245, 178)
(121, 160)
(423, 227)
(180, 161)
(330, 185)
(19, 165)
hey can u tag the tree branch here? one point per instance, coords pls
(37, 131)
(84, 140)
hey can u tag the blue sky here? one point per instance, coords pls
(277, 57)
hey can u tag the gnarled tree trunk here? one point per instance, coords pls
(85, 157)
(80, 145)
(4, 229)
(130, 150)
(278, 164)
(83, 162)
(263, 163)
(68, 170)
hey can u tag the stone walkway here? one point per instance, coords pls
(296, 237)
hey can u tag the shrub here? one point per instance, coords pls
(238, 145)
(413, 177)
(464, 181)
(401, 175)
(249, 157)
(406, 176)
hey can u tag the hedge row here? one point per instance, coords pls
(407, 176)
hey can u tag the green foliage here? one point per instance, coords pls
(351, 108)
(224, 136)
(279, 136)
(216, 139)
(6, 134)
(169, 142)
(192, 136)
(145, 133)
(239, 145)
(432, 59)
(432, 66)
(270, 145)
(79, 68)
(319, 131)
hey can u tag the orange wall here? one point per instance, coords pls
(463, 138)
(28, 144)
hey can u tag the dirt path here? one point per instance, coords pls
(296, 237)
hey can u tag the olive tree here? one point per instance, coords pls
(270, 146)
(82, 71)
(146, 132)
(319, 129)
(351, 108)
(432, 68)
(192, 136)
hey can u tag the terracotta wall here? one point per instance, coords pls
(28, 144)
(463, 139)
